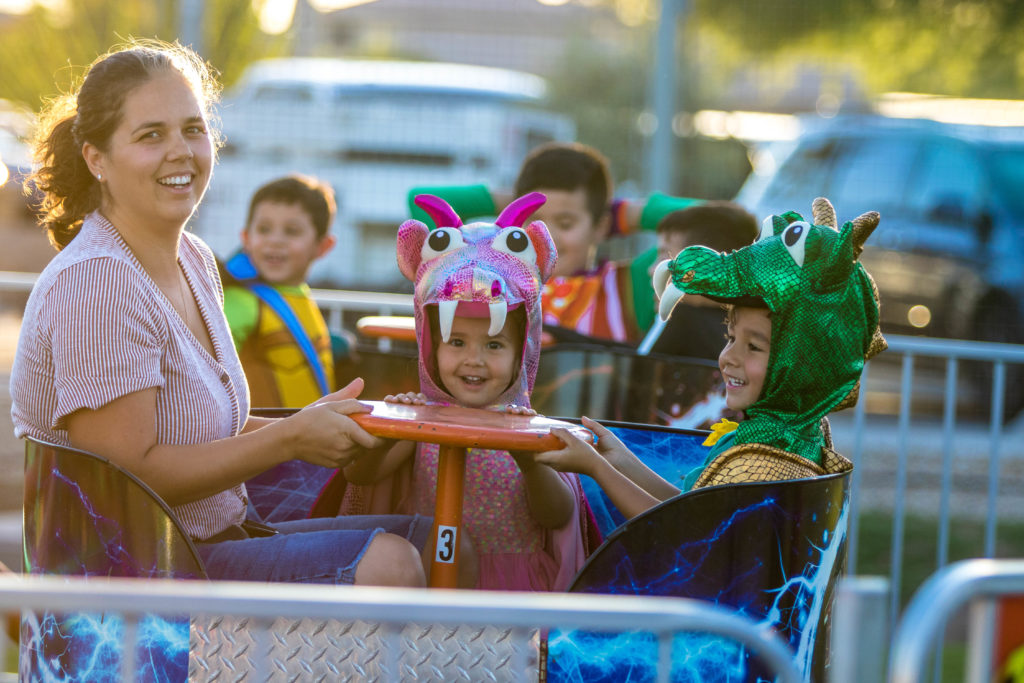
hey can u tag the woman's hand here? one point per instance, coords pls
(409, 398)
(325, 434)
(350, 390)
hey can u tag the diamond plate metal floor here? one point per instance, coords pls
(230, 649)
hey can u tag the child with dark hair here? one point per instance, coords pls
(278, 329)
(697, 325)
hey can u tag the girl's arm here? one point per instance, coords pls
(548, 496)
(375, 464)
(579, 456)
(626, 462)
(124, 431)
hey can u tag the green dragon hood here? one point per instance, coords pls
(824, 311)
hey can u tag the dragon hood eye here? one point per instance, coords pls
(795, 240)
(515, 242)
(442, 241)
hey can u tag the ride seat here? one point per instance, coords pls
(771, 550)
(86, 516)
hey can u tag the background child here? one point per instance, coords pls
(697, 324)
(478, 327)
(786, 366)
(279, 332)
(583, 296)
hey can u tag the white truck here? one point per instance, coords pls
(373, 130)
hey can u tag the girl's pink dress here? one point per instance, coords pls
(516, 553)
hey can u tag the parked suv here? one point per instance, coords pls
(948, 256)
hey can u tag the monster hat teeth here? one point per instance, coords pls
(445, 317)
(661, 277)
(669, 298)
(499, 311)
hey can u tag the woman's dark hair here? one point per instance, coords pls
(92, 114)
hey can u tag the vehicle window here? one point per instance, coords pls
(287, 94)
(1007, 164)
(802, 176)
(871, 174)
(950, 178)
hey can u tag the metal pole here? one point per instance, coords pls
(860, 631)
(662, 98)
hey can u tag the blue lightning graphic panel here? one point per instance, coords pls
(769, 551)
(85, 516)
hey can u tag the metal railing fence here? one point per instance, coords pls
(951, 352)
(393, 607)
(976, 585)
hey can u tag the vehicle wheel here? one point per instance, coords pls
(997, 320)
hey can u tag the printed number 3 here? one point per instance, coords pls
(446, 537)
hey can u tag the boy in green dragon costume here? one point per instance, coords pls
(817, 309)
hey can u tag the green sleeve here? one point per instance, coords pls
(242, 309)
(643, 288)
(469, 201)
(660, 205)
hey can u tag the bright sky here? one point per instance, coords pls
(274, 8)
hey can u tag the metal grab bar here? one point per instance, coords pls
(941, 596)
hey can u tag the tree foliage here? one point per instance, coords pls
(45, 52)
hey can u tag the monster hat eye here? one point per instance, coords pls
(515, 242)
(795, 240)
(442, 241)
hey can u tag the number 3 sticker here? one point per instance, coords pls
(446, 538)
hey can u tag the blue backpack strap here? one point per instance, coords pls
(241, 268)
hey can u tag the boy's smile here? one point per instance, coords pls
(744, 360)
(282, 242)
(474, 367)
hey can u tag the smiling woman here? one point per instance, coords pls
(125, 351)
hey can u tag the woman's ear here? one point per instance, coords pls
(93, 159)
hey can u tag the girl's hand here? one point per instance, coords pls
(513, 409)
(410, 398)
(577, 456)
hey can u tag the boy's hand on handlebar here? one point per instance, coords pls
(608, 445)
(411, 398)
(577, 455)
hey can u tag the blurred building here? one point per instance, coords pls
(516, 34)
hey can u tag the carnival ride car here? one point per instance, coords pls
(772, 552)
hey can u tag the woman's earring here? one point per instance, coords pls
(99, 176)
